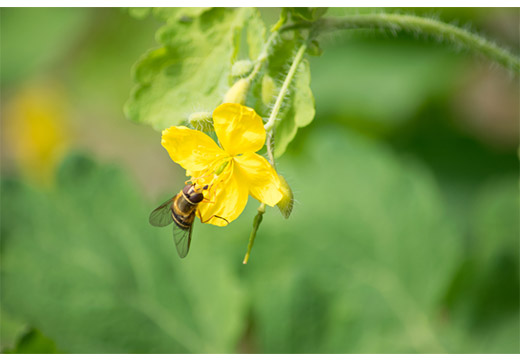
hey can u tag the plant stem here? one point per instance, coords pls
(262, 57)
(269, 143)
(417, 24)
(256, 224)
(270, 124)
(285, 87)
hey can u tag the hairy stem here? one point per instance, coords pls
(285, 87)
(269, 142)
(270, 123)
(252, 236)
(417, 24)
(263, 56)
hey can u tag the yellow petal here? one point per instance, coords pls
(239, 129)
(260, 177)
(192, 149)
(226, 199)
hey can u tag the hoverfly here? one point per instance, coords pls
(181, 210)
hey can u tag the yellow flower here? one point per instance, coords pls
(37, 131)
(231, 172)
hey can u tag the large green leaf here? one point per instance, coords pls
(83, 265)
(483, 300)
(191, 71)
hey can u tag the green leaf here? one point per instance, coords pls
(139, 13)
(33, 342)
(255, 35)
(10, 330)
(179, 14)
(86, 268)
(191, 71)
(298, 112)
(298, 108)
(282, 20)
(483, 298)
(307, 14)
(165, 14)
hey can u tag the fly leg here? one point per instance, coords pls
(207, 220)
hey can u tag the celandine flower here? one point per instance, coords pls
(231, 172)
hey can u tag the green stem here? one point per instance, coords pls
(417, 24)
(264, 54)
(252, 236)
(269, 143)
(285, 88)
(270, 123)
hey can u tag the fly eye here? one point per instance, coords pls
(196, 197)
(186, 189)
(205, 187)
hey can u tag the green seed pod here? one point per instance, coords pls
(286, 203)
(241, 68)
(202, 121)
(238, 92)
(268, 90)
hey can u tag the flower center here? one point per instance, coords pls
(214, 174)
(221, 167)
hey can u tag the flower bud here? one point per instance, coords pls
(314, 48)
(268, 90)
(286, 203)
(241, 68)
(238, 92)
(202, 121)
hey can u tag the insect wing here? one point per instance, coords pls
(162, 215)
(182, 238)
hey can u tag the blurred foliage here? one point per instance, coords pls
(345, 274)
(45, 36)
(403, 237)
(368, 92)
(117, 294)
(354, 266)
(33, 342)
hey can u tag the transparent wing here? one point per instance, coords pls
(162, 215)
(182, 238)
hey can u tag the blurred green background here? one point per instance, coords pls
(404, 236)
